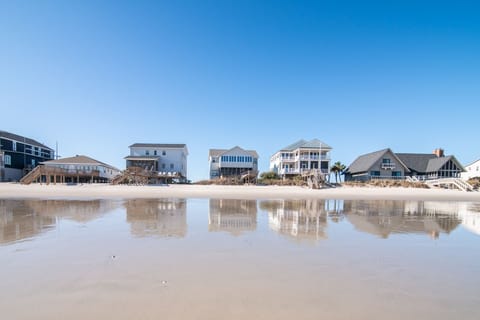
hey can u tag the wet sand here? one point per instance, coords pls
(99, 191)
(237, 259)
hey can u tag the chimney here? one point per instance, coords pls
(439, 152)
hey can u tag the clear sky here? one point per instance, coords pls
(97, 76)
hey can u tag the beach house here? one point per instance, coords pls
(167, 159)
(385, 164)
(19, 155)
(77, 169)
(300, 156)
(472, 170)
(232, 162)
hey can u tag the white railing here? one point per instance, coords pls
(388, 166)
(300, 171)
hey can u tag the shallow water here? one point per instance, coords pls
(238, 259)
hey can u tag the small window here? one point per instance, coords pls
(33, 162)
(385, 160)
(163, 165)
(8, 160)
(375, 173)
(147, 152)
(164, 153)
(154, 152)
(171, 166)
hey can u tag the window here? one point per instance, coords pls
(33, 162)
(171, 166)
(147, 152)
(154, 152)
(375, 173)
(396, 173)
(163, 165)
(14, 146)
(164, 153)
(8, 160)
(386, 160)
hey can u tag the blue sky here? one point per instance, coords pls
(97, 76)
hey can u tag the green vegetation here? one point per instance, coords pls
(337, 169)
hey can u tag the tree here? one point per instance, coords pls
(337, 169)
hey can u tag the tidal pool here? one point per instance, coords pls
(239, 259)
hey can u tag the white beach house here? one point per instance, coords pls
(472, 170)
(161, 157)
(232, 162)
(300, 156)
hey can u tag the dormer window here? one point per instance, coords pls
(164, 153)
(147, 152)
(154, 152)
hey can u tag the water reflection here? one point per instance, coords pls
(157, 217)
(301, 219)
(383, 218)
(295, 219)
(23, 219)
(233, 216)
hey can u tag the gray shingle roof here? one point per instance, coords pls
(78, 159)
(417, 161)
(315, 143)
(366, 161)
(219, 152)
(158, 145)
(16, 137)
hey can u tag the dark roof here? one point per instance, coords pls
(417, 161)
(312, 144)
(16, 137)
(219, 152)
(78, 159)
(158, 145)
(364, 162)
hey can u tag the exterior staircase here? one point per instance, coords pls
(32, 175)
(450, 182)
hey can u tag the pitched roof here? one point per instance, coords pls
(78, 159)
(417, 161)
(219, 152)
(158, 145)
(364, 162)
(312, 144)
(16, 137)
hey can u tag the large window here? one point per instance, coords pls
(7, 159)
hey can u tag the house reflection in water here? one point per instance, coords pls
(24, 219)
(234, 216)
(301, 219)
(383, 218)
(157, 217)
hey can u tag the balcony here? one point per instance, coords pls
(298, 171)
(388, 166)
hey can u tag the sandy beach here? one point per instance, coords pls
(102, 191)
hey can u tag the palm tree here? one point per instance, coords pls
(337, 169)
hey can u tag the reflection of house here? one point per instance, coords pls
(232, 162)
(300, 156)
(472, 170)
(22, 219)
(234, 216)
(385, 164)
(168, 159)
(299, 219)
(153, 217)
(78, 169)
(383, 218)
(18, 221)
(19, 155)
